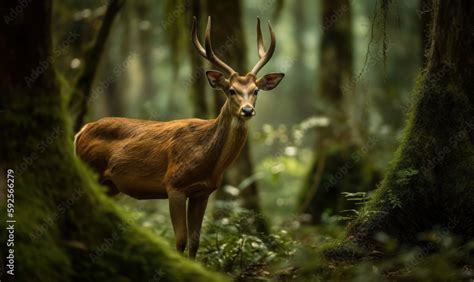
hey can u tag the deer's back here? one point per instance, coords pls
(138, 147)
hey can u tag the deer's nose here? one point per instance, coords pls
(248, 111)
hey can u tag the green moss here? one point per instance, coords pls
(63, 217)
(427, 189)
(429, 182)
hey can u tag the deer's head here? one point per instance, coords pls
(241, 90)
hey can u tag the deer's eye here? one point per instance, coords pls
(255, 92)
(232, 92)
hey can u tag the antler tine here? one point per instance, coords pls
(210, 55)
(264, 56)
(196, 42)
(207, 52)
(260, 44)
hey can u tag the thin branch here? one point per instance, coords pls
(385, 4)
(370, 42)
(78, 104)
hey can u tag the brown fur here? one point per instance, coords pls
(178, 160)
(182, 160)
(142, 158)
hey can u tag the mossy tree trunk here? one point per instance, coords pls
(66, 229)
(430, 181)
(229, 43)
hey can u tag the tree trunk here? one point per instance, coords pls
(126, 51)
(113, 96)
(425, 11)
(429, 183)
(67, 229)
(145, 35)
(197, 83)
(335, 160)
(229, 43)
(299, 85)
(79, 101)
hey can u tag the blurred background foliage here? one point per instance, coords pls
(346, 93)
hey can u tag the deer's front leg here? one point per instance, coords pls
(177, 203)
(196, 209)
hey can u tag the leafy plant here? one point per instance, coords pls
(232, 244)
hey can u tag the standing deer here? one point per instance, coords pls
(180, 159)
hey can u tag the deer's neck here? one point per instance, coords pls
(230, 134)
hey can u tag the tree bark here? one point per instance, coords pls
(424, 11)
(197, 83)
(67, 229)
(229, 43)
(429, 183)
(125, 53)
(113, 95)
(145, 35)
(323, 185)
(300, 84)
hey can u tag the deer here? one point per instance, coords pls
(179, 160)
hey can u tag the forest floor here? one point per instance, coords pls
(294, 251)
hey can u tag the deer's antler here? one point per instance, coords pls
(208, 52)
(264, 56)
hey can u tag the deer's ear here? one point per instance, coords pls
(269, 81)
(216, 79)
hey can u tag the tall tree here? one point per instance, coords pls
(113, 92)
(424, 11)
(69, 230)
(79, 102)
(144, 10)
(301, 87)
(229, 39)
(334, 148)
(125, 49)
(197, 80)
(429, 182)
